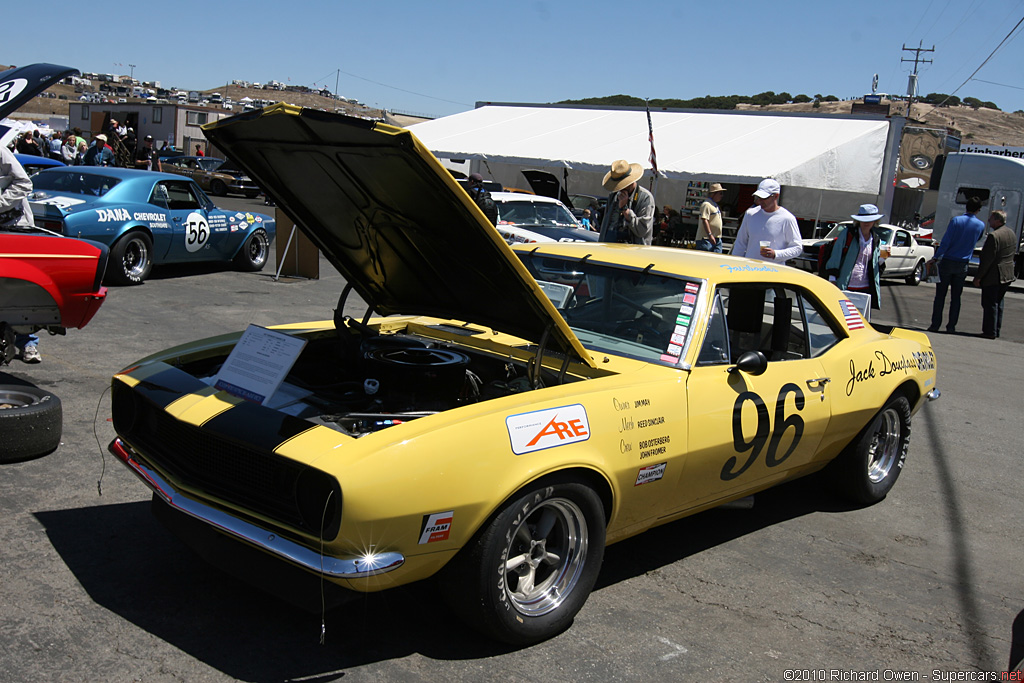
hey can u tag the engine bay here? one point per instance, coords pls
(359, 381)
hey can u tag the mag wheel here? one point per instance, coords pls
(254, 253)
(868, 468)
(914, 279)
(530, 570)
(131, 259)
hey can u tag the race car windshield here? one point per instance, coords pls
(530, 213)
(74, 183)
(619, 310)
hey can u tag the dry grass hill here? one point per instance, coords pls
(981, 126)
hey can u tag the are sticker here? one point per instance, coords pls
(542, 429)
(197, 232)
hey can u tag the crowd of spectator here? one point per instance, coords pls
(115, 145)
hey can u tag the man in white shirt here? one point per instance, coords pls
(769, 233)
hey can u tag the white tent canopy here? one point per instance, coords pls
(843, 154)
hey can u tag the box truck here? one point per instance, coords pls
(998, 181)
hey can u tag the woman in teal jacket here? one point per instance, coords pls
(854, 258)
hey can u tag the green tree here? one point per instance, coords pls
(801, 99)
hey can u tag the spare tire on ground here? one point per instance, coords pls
(30, 422)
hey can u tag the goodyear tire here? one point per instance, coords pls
(131, 259)
(254, 253)
(914, 279)
(527, 573)
(868, 468)
(30, 422)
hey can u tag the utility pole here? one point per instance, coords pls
(132, 75)
(912, 81)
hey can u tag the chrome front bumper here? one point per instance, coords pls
(349, 568)
(933, 395)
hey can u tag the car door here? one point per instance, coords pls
(748, 430)
(189, 237)
(901, 253)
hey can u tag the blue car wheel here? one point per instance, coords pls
(131, 259)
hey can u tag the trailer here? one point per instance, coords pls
(997, 181)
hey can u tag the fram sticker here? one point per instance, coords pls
(436, 527)
(542, 429)
(650, 473)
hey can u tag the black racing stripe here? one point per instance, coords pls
(257, 427)
(168, 386)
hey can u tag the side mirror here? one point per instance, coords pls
(751, 362)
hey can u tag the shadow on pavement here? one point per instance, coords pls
(128, 563)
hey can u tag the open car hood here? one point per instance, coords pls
(392, 220)
(18, 86)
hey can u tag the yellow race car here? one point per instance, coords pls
(506, 414)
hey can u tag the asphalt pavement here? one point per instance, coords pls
(797, 586)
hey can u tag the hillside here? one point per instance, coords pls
(981, 126)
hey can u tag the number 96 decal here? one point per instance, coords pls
(756, 444)
(197, 232)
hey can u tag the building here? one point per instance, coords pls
(176, 124)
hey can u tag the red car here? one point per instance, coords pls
(49, 282)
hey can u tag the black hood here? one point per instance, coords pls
(391, 219)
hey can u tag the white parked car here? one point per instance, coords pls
(523, 214)
(907, 252)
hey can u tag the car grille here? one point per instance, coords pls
(249, 478)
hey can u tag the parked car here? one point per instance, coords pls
(216, 176)
(511, 412)
(31, 163)
(46, 283)
(907, 257)
(147, 218)
(543, 216)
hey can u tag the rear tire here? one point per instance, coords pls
(131, 259)
(528, 572)
(254, 253)
(914, 279)
(867, 469)
(31, 420)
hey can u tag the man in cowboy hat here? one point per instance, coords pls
(629, 216)
(709, 224)
(770, 232)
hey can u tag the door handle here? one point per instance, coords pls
(818, 384)
(177, 219)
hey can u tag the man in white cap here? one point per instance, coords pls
(629, 214)
(769, 233)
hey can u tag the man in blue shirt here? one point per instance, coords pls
(953, 255)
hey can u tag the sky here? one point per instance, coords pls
(439, 58)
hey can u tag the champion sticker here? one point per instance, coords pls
(436, 527)
(549, 428)
(650, 473)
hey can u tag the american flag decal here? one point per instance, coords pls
(852, 315)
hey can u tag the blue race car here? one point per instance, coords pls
(32, 163)
(147, 218)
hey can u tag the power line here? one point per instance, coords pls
(1001, 43)
(1015, 87)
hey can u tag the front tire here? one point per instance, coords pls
(31, 421)
(218, 187)
(254, 253)
(867, 469)
(914, 279)
(131, 259)
(529, 571)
